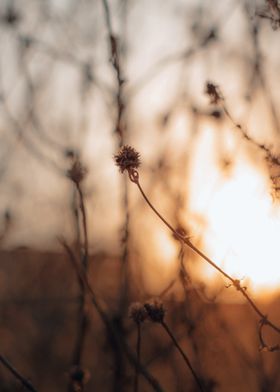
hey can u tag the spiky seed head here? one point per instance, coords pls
(77, 172)
(213, 93)
(138, 313)
(155, 310)
(127, 158)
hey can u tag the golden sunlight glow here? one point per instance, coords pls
(243, 226)
(168, 248)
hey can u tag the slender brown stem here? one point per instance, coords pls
(186, 359)
(82, 313)
(264, 345)
(156, 212)
(116, 65)
(268, 153)
(182, 238)
(138, 353)
(84, 220)
(107, 16)
(27, 384)
(116, 61)
(134, 177)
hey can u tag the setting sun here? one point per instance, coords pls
(242, 224)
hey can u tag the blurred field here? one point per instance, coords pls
(39, 304)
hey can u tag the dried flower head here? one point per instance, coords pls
(155, 310)
(77, 172)
(127, 158)
(11, 17)
(138, 313)
(213, 92)
(271, 12)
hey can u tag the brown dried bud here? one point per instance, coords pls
(155, 310)
(12, 17)
(138, 313)
(127, 158)
(77, 172)
(213, 92)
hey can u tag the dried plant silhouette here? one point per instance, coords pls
(128, 159)
(111, 286)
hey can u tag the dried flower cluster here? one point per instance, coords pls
(127, 158)
(138, 313)
(11, 17)
(271, 12)
(152, 310)
(213, 93)
(77, 172)
(155, 310)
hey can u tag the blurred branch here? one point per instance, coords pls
(120, 132)
(216, 97)
(77, 175)
(183, 354)
(27, 384)
(20, 133)
(7, 224)
(115, 61)
(258, 71)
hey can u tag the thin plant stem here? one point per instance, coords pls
(120, 131)
(134, 177)
(82, 314)
(268, 153)
(116, 65)
(125, 253)
(138, 353)
(27, 384)
(186, 359)
(84, 220)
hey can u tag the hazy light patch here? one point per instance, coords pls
(242, 233)
(168, 249)
(204, 176)
(179, 126)
(158, 253)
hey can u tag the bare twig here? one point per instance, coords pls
(77, 174)
(120, 132)
(26, 383)
(85, 229)
(183, 354)
(264, 346)
(156, 313)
